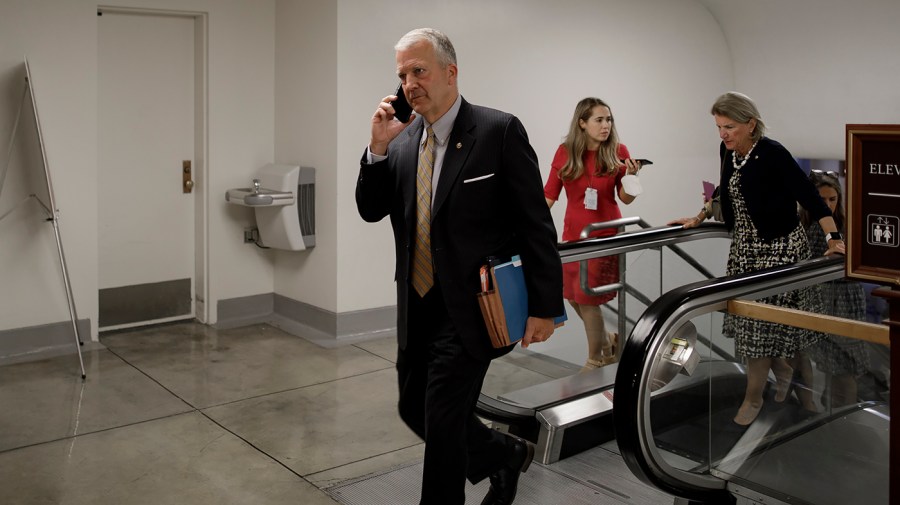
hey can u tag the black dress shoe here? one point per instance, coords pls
(505, 480)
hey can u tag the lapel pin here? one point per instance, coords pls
(459, 145)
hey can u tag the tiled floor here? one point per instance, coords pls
(187, 414)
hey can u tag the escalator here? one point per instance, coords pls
(679, 436)
(674, 430)
(563, 411)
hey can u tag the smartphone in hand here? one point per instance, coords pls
(402, 109)
(644, 162)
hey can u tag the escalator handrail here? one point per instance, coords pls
(589, 248)
(632, 392)
(620, 223)
(625, 221)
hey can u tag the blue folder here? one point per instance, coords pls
(509, 281)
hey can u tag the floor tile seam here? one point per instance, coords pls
(152, 379)
(190, 408)
(376, 472)
(371, 475)
(259, 450)
(280, 391)
(261, 395)
(393, 362)
(230, 402)
(102, 430)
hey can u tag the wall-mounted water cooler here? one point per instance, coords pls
(283, 198)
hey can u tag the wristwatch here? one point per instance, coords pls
(835, 235)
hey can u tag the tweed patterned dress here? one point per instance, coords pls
(748, 253)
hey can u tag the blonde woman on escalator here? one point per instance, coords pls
(594, 168)
(760, 187)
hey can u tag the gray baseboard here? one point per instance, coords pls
(245, 310)
(35, 342)
(320, 326)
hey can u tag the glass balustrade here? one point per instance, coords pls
(552, 372)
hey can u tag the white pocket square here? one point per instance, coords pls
(478, 178)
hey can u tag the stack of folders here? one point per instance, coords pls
(504, 302)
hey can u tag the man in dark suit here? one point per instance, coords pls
(460, 183)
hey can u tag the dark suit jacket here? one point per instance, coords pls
(772, 184)
(489, 202)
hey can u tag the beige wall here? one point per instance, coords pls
(60, 39)
(296, 81)
(306, 134)
(814, 66)
(32, 287)
(657, 62)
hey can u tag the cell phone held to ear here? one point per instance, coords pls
(402, 109)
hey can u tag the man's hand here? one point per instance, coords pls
(384, 128)
(537, 329)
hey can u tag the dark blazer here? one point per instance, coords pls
(772, 183)
(489, 202)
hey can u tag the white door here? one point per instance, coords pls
(146, 97)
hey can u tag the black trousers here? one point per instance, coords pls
(439, 387)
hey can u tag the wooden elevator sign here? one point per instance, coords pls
(873, 203)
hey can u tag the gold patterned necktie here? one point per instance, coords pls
(423, 270)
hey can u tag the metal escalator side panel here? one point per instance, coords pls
(556, 419)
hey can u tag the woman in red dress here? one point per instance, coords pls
(589, 165)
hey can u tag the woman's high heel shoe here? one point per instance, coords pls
(608, 355)
(747, 413)
(613, 344)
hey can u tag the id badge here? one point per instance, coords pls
(590, 199)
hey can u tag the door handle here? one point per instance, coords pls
(187, 184)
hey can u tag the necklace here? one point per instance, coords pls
(739, 164)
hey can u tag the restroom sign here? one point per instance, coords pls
(873, 203)
(883, 230)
